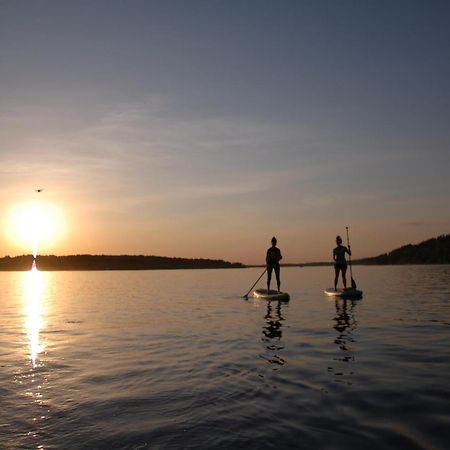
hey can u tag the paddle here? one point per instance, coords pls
(246, 295)
(350, 261)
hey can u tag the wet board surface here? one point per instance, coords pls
(344, 293)
(271, 295)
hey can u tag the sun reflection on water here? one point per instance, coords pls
(32, 377)
(33, 311)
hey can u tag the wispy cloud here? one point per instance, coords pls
(413, 224)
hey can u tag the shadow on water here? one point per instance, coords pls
(345, 324)
(272, 334)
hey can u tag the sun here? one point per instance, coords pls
(34, 225)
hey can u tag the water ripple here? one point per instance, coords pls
(170, 360)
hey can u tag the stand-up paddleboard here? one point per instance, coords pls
(271, 295)
(352, 293)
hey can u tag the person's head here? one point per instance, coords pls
(274, 241)
(338, 240)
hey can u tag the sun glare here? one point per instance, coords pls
(32, 226)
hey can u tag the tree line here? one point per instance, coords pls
(111, 262)
(431, 251)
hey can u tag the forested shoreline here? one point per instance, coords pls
(111, 262)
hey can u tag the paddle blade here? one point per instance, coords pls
(353, 283)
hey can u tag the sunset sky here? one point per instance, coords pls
(202, 128)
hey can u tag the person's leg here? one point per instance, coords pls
(269, 277)
(277, 274)
(344, 279)
(336, 276)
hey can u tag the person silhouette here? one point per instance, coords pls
(340, 263)
(273, 258)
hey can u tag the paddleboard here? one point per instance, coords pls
(271, 295)
(344, 293)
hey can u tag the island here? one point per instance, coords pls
(111, 262)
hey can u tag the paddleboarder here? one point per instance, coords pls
(273, 258)
(340, 263)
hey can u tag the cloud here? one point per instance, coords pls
(413, 224)
(134, 156)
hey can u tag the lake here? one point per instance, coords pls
(179, 360)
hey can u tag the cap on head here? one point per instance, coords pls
(274, 240)
(338, 239)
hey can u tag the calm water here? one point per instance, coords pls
(178, 360)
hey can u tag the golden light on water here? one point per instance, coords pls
(33, 311)
(33, 225)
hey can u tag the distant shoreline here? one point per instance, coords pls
(136, 262)
(433, 251)
(111, 262)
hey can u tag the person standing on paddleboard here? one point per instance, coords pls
(273, 258)
(340, 263)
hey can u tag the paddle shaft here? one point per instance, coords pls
(246, 295)
(349, 256)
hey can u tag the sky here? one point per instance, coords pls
(203, 128)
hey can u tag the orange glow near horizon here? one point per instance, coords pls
(33, 225)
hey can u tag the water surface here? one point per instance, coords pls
(178, 360)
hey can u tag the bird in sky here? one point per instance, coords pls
(39, 190)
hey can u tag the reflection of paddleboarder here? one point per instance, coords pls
(273, 258)
(273, 335)
(340, 264)
(273, 320)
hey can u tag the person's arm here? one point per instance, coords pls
(279, 255)
(334, 254)
(267, 257)
(348, 250)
